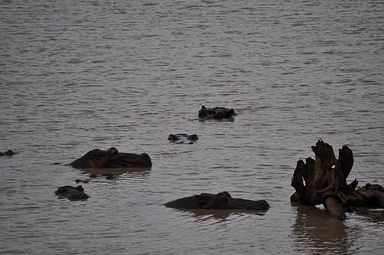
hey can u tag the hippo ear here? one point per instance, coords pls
(221, 200)
(203, 107)
(224, 194)
(112, 151)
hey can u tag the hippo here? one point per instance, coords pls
(7, 153)
(217, 113)
(72, 193)
(183, 138)
(374, 194)
(222, 200)
(112, 158)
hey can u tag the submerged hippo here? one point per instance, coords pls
(112, 158)
(216, 113)
(93, 176)
(72, 193)
(7, 153)
(183, 138)
(222, 200)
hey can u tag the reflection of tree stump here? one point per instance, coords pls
(324, 181)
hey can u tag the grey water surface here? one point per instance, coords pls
(85, 74)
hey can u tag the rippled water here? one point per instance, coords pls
(79, 75)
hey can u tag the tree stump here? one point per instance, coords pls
(324, 181)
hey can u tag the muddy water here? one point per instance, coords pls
(79, 75)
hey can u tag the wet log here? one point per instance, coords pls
(324, 181)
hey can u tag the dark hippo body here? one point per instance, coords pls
(112, 158)
(7, 153)
(216, 113)
(183, 138)
(222, 200)
(72, 193)
(374, 194)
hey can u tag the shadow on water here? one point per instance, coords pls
(231, 119)
(218, 214)
(115, 171)
(111, 173)
(316, 231)
(374, 215)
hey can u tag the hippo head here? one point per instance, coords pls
(205, 113)
(202, 201)
(72, 193)
(216, 113)
(218, 201)
(65, 189)
(112, 158)
(183, 138)
(222, 200)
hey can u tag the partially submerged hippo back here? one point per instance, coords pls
(216, 113)
(7, 153)
(222, 200)
(183, 138)
(374, 194)
(112, 158)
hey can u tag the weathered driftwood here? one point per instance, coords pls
(324, 181)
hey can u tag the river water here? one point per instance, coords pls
(79, 75)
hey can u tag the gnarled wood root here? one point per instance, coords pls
(323, 181)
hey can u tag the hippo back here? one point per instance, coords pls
(129, 160)
(111, 158)
(245, 204)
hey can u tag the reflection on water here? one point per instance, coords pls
(204, 214)
(316, 231)
(116, 171)
(372, 215)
